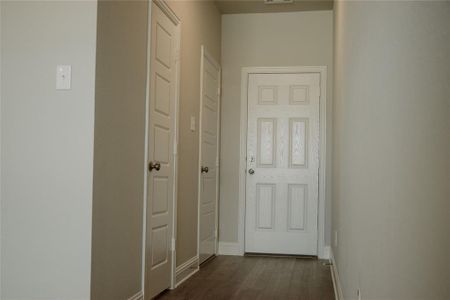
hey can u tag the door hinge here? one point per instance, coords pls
(176, 55)
(175, 148)
(173, 245)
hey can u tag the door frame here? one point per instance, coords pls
(162, 4)
(207, 55)
(245, 73)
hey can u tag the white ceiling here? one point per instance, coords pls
(258, 6)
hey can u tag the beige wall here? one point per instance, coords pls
(391, 193)
(47, 149)
(200, 25)
(274, 39)
(119, 149)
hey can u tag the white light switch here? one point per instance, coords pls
(192, 123)
(63, 77)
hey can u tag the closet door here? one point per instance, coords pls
(209, 155)
(161, 152)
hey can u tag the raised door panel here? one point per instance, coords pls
(163, 45)
(266, 139)
(160, 244)
(162, 143)
(160, 195)
(297, 201)
(298, 94)
(298, 136)
(209, 121)
(265, 206)
(162, 94)
(267, 95)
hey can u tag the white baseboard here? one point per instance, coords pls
(138, 296)
(226, 248)
(186, 270)
(335, 276)
(325, 253)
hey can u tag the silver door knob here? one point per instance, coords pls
(205, 170)
(251, 171)
(154, 166)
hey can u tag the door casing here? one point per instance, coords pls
(323, 252)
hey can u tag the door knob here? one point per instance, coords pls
(251, 171)
(205, 170)
(154, 166)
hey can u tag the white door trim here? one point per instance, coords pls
(205, 53)
(322, 70)
(162, 4)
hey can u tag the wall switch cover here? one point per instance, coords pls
(63, 77)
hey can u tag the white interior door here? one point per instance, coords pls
(209, 156)
(282, 163)
(161, 152)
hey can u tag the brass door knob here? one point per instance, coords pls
(154, 166)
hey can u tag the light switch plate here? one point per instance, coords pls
(63, 77)
(192, 123)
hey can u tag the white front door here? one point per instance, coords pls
(161, 152)
(209, 155)
(282, 163)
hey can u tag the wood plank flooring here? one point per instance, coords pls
(256, 277)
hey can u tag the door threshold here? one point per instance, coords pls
(275, 255)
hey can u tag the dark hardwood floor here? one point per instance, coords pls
(256, 277)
